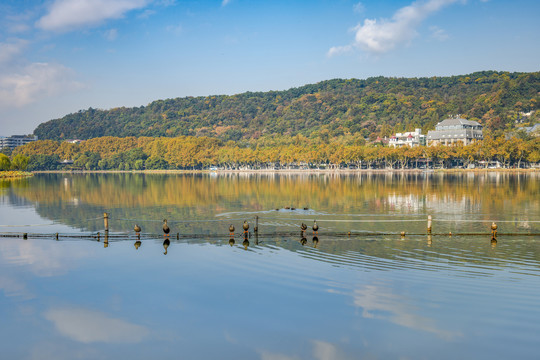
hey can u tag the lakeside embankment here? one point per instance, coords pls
(289, 171)
(10, 175)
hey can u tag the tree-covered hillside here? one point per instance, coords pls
(333, 108)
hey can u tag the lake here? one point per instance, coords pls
(355, 290)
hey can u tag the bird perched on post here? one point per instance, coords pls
(137, 229)
(166, 228)
(303, 227)
(231, 229)
(315, 227)
(245, 226)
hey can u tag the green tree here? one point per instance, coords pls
(5, 163)
(19, 162)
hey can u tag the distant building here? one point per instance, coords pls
(533, 130)
(413, 138)
(15, 140)
(452, 131)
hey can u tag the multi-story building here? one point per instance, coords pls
(15, 140)
(413, 138)
(452, 131)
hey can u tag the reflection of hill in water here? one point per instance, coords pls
(74, 198)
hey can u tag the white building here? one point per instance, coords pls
(15, 140)
(451, 131)
(414, 138)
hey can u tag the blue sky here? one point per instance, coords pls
(61, 56)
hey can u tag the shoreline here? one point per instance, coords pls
(290, 171)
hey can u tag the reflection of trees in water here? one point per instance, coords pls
(74, 198)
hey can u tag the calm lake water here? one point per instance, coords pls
(368, 295)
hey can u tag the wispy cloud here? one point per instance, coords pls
(359, 8)
(66, 15)
(225, 2)
(111, 34)
(383, 35)
(89, 326)
(438, 33)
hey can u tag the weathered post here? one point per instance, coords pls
(106, 222)
(25, 236)
(429, 224)
(56, 236)
(256, 229)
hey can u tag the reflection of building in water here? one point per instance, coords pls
(405, 202)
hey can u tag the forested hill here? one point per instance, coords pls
(330, 108)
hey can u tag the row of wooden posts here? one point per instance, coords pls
(256, 228)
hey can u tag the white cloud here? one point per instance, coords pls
(225, 2)
(65, 15)
(383, 35)
(27, 84)
(9, 51)
(89, 326)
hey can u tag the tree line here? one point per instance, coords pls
(332, 109)
(189, 152)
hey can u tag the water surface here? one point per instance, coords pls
(272, 296)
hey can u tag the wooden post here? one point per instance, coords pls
(429, 224)
(494, 230)
(25, 236)
(256, 229)
(106, 221)
(56, 236)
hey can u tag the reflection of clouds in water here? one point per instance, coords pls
(265, 355)
(13, 287)
(380, 303)
(322, 350)
(41, 257)
(89, 326)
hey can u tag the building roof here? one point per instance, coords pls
(458, 121)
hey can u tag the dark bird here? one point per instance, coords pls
(304, 228)
(166, 244)
(306, 208)
(315, 227)
(231, 229)
(166, 228)
(293, 208)
(137, 229)
(245, 226)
